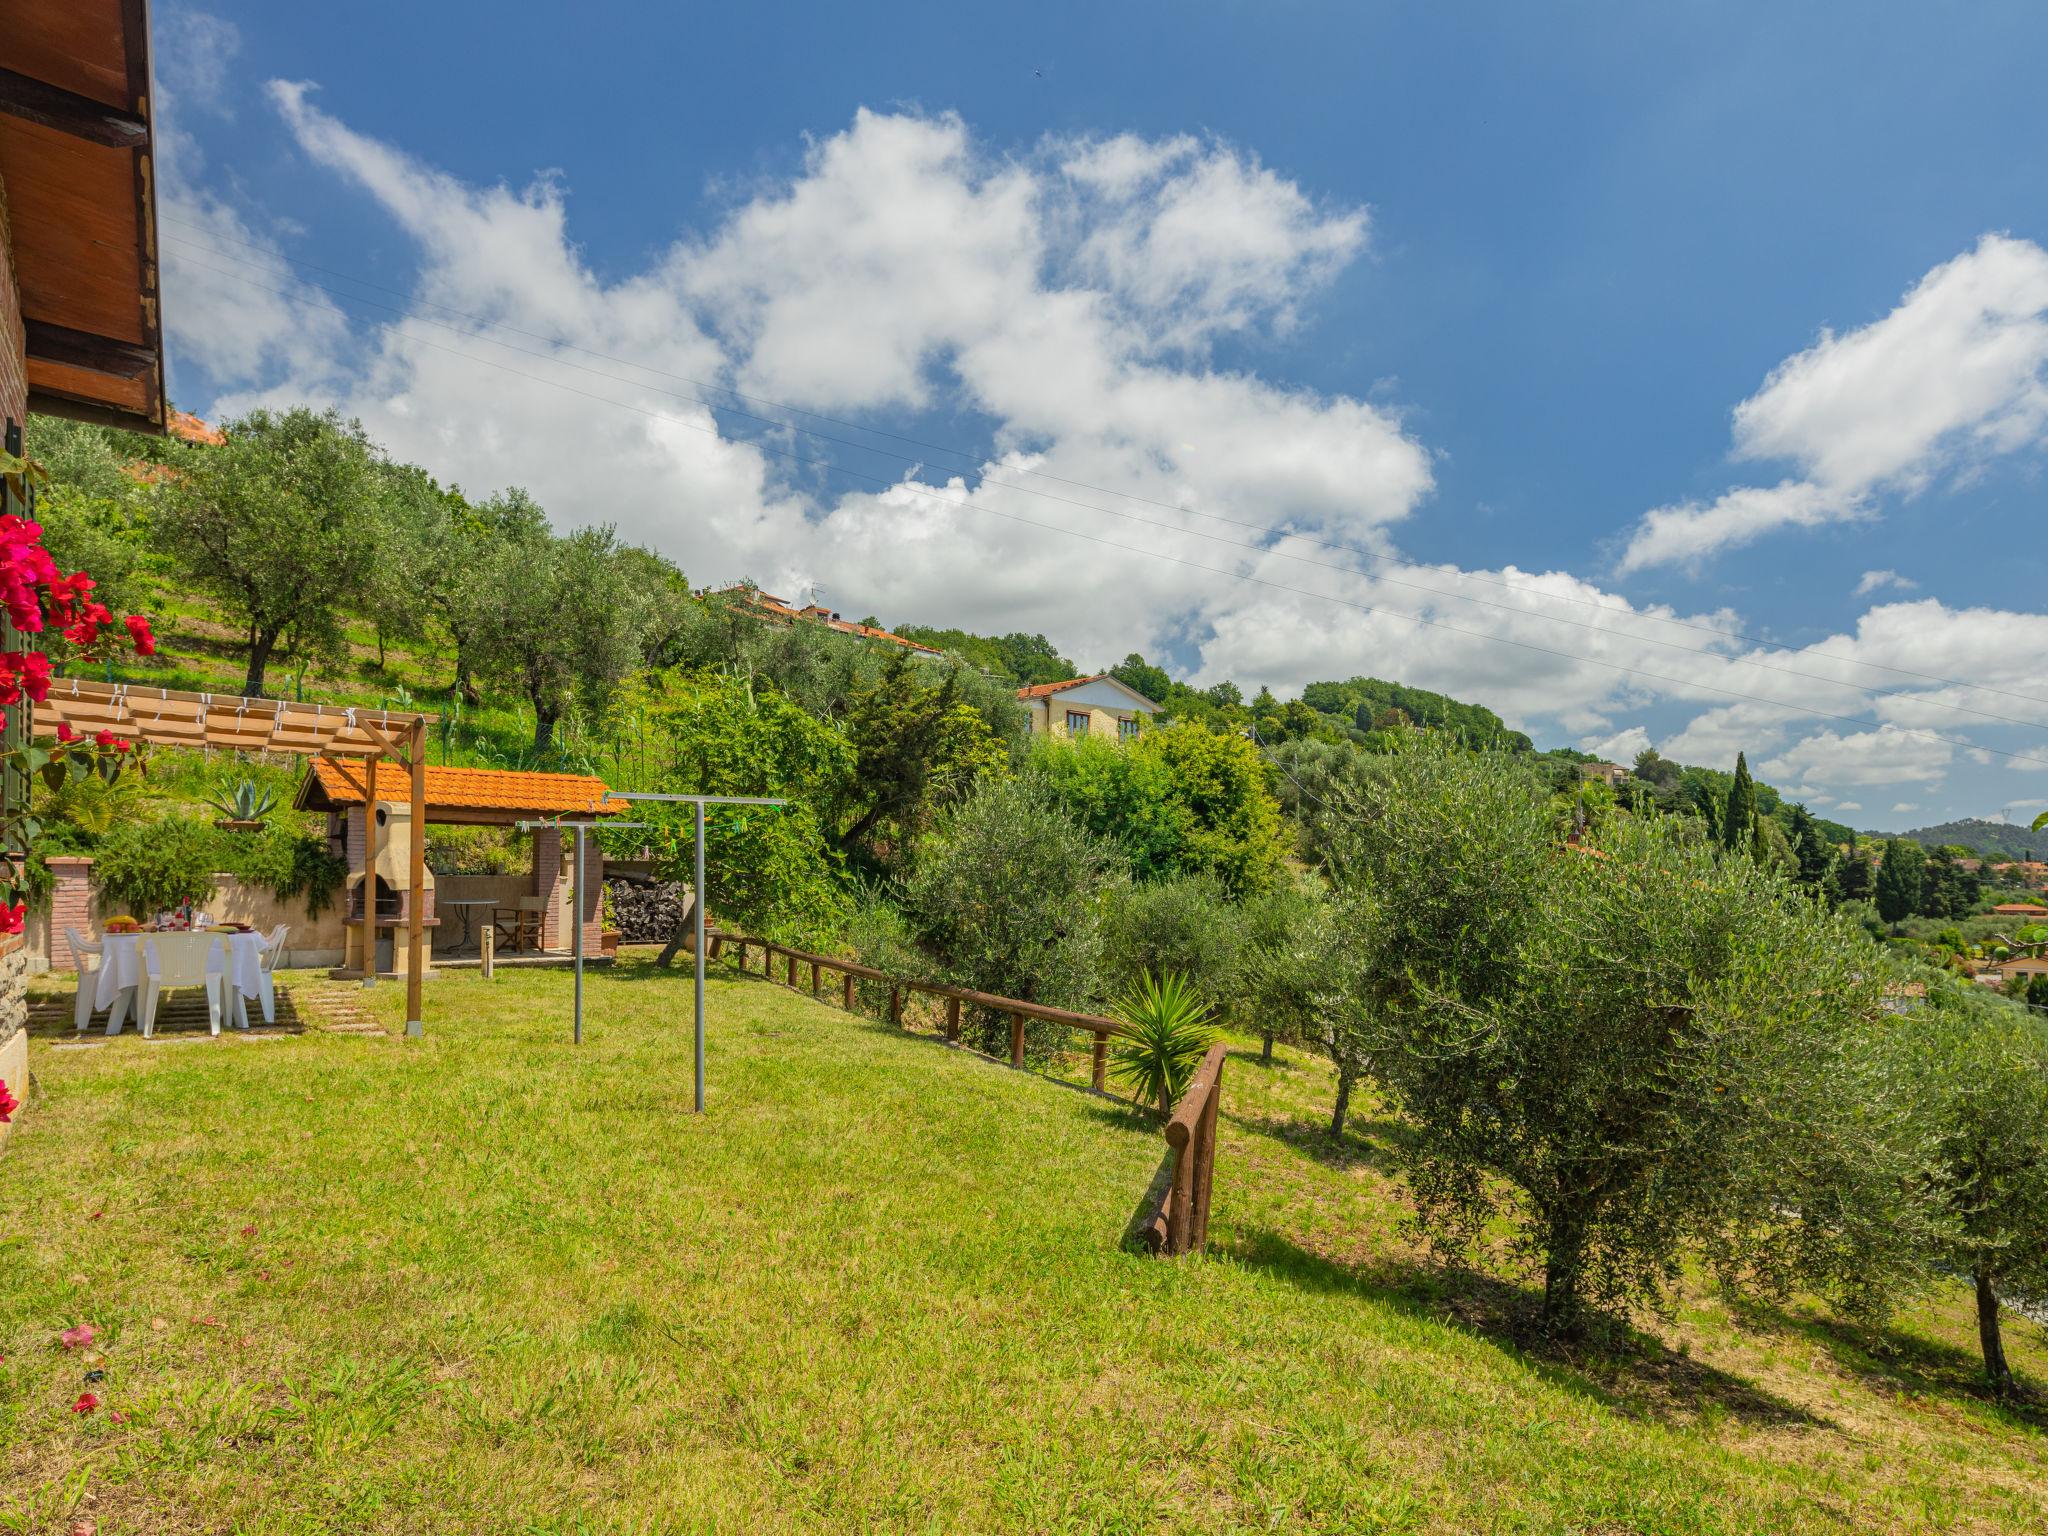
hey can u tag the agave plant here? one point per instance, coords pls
(1167, 1030)
(248, 801)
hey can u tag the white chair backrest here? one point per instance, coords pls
(80, 944)
(273, 945)
(180, 959)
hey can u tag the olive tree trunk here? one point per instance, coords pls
(1989, 1335)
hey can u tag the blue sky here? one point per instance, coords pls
(1482, 287)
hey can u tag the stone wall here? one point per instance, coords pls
(14, 1020)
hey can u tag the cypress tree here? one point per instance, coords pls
(1899, 880)
(1739, 814)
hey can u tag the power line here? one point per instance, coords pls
(1259, 549)
(974, 460)
(890, 483)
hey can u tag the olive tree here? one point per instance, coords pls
(1634, 1050)
(1987, 1075)
(279, 523)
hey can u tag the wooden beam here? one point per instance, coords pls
(416, 914)
(85, 349)
(384, 743)
(369, 939)
(38, 101)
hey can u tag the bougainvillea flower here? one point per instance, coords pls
(65, 732)
(138, 631)
(8, 1104)
(86, 1403)
(117, 1416)
(104, 737)
(13, 916)
(72, 1338)
(248, 1231)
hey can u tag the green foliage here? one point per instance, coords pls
(1364, 700)
(1277, 971)
(918, 747)
(1738, 811)
(1898, 887)
(1134, 671)
(1166, 1019)
(1021, 660)
(1004, 896)
(770, 869)
(1650, 1045)
(1177, 800)
(147, 866)
(1986, 1084)
(279, 524)
(1184, 926)
(457, 850)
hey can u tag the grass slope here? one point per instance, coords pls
(488, 1282)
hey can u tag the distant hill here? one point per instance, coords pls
(1994, 839)
(1365, 699)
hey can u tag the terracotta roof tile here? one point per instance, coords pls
(475, 789)
(1040, 690)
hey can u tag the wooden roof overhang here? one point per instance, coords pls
(77, 161)
(171, 718)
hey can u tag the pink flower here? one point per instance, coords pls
(13, 916)
(138, 631)
(86, 1403)
(72, 1338)
(117, 1416)
(248, 1231)
(8, 1104)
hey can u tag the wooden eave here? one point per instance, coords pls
(77, 162)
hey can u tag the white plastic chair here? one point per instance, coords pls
(180, 960)
(273, 949)
(88, 977)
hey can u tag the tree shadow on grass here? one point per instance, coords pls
(1890, 1360)
(1621, 1368)
(1365, 1143)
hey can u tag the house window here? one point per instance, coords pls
(1126, 727)
(1077, 722)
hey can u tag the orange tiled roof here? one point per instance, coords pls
(184, 424)
(769, 603)
(1040, 690)
(474, 789)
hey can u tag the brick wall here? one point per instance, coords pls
(555, 881)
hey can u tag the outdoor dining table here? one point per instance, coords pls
(123, 967)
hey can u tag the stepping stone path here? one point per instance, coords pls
(304, 1002)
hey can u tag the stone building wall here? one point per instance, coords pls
(14, 1021)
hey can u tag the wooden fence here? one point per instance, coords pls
(852, 971)
(1181, 1222)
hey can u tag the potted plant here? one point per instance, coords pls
(246, 808)
(610, 933)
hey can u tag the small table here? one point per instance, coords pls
(468, 911)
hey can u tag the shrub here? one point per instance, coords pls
(146, 866)
(1183, 927)
(1168, 1024)
(285, 861)
(1004, 897)
(1181, 799)
(1274, 989)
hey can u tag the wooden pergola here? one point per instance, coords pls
(171, 718)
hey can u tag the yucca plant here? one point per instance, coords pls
(1168, 1031)
(248, 801)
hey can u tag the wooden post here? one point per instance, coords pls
(743, 957)
(895, 1005)
(790, 979)
(814, 978)
(952, 1021)
(369, 939)
(1178, 1202)
(849, 991)
(1016, 1039)
(487, 951)
(416, 915)
(1100, 1076)
(1205, 1164)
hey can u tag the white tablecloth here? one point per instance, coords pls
(122, 965)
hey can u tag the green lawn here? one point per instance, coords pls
(490, 1282)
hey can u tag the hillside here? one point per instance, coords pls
(1993, 839)
(879, 1286)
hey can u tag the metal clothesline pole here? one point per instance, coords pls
(698, 802)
